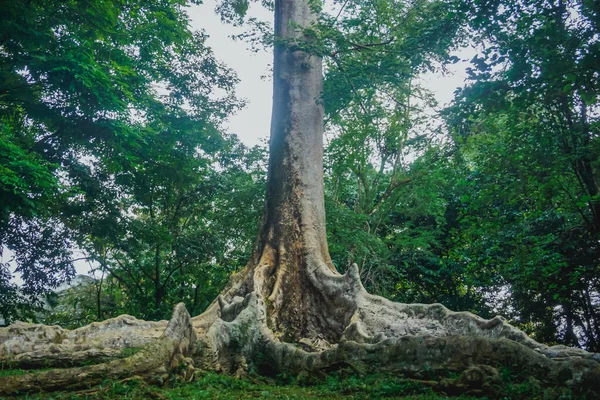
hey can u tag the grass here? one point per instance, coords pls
(11, 372)
(215, 386)
(338, 385)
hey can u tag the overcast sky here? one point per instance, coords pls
(252, 123)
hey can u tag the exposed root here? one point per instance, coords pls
(55, 357)
(31, 341)
(392, 337)
(153, 361)
(370, 334)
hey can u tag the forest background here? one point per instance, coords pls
(114, 152)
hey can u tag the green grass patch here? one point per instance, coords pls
(216, 386)
(129, 351)
(11, 372)
(341, 384)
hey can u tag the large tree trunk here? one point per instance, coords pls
(292, 249)
(289, 310)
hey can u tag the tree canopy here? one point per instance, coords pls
(101, 104)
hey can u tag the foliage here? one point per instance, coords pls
(527, 129)
(86, 87)
(503, 219)
(211, 386)
(340, 384)
(76, 305)
(180, 235)
(391, 193)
